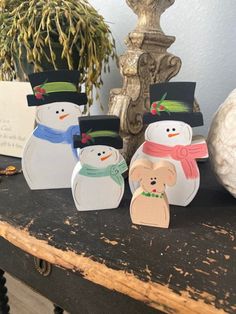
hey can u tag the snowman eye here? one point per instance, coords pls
(173, 129)
(99, 154)
(167, 130)
(104, 152)
(57, 112)
(62, 110)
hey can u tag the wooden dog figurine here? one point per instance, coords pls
(149, 205)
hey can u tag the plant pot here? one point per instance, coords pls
(24, 68)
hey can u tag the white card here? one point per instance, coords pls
(16, 118)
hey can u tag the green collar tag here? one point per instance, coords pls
(148, 194)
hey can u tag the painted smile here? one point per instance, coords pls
(173, 134)
(106, 157)
(63, 116)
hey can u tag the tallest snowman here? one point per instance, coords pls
(49, 156)
(169, 137)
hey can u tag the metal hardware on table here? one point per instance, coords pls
(4, 307)
(58, 310)
(43, 267)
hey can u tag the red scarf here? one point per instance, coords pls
(186, 154)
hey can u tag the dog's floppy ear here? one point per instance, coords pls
(167, 172)
(138, 169)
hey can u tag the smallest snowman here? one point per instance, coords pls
(97, 181)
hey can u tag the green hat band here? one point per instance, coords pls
(55, 87)
(168, 106)
(171, 106)
(91, 135)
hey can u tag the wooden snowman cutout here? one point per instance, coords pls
(97, 181)
(169, 137)
(49, 156)
(149, 204)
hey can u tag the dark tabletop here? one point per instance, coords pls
(196, 254)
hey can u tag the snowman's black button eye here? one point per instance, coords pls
(167, 130)
(62, 110)
(173, 129)
(104, 152)
(99, 154)
(57, 112)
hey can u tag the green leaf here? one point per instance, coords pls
(162, 99)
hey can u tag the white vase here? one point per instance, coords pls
(222, 143)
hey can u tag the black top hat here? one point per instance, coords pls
(99, 130)
(173, 101)
(55, 86)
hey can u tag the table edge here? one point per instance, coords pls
(160, 297)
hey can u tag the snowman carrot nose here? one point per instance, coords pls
(106, 157)
(173, 134)
(64, 116)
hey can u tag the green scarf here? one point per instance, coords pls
(148, 194)
(114, 171)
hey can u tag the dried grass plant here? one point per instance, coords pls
(33, 27)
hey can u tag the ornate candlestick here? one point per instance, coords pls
(145, 62)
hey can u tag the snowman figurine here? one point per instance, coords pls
(49, 156)
(169, 137)
(97, 181)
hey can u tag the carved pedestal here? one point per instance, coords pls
(145, 62)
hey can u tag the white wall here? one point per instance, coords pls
(205, 33)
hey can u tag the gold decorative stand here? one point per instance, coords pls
(145, 62)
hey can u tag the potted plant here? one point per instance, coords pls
(37, 35)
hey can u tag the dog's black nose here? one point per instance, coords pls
(153, 182)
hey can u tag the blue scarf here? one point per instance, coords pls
(55, 136)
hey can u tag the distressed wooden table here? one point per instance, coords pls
(98, 262)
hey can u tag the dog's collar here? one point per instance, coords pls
(148, 194)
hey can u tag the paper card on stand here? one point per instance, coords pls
(16, 120)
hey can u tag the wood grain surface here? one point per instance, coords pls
(189, 268)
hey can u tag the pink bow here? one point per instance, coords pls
(186, 154)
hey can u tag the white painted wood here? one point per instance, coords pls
(149, 205)
(185, 189)
(49, 165)
(96, 193)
